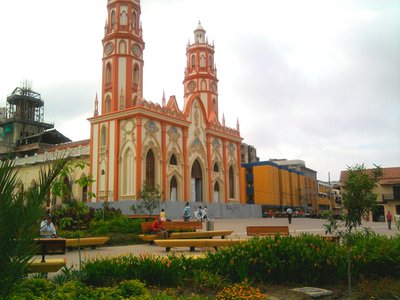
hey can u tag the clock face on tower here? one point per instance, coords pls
(213, 87)
(109, 48)
(136, 50)
(192, 86)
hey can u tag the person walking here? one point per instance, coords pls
(204, 213)
(397, 220)
(289, 213)
(186, 212)
(389, 218)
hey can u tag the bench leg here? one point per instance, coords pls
(93, 247)
(167, 249)
(222, 237)
(192, 249)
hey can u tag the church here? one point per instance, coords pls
(188, 153)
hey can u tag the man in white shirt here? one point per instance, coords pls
(47, 229)
(289, 212)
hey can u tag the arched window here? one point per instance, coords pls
(134, 19)
(172, 160)
(210, 62)
(216, 168)
(122, 47)
(193, 60)
(108, 104)
(127, 171)
(214, 105)
(150, 168)
(113, 18)
(108, 73)
(203, 85)
(123, 19)
(231, 183)
(136, 74)
(202, 61)
(84, 189)
(103, 138)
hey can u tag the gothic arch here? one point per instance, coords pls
(136, 74)
(103, 136)
(157, 161)
(218, 197)
(198, 180)
(108, 104)
(179, 189)
(108, 73)
(127, 169)
(122, 47)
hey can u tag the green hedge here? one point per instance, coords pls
(307, 260)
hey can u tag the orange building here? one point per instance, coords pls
(275, 186)
(188, 153)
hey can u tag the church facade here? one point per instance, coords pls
(188, 153)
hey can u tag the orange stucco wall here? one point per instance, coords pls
(266, 185)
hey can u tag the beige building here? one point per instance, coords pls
(387, 191)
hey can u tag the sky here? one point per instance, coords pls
(314, 80)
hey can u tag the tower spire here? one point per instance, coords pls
(237, 125)
(163, 99)
(223, 119)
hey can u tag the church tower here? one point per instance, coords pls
(122, 56)
(200, 73)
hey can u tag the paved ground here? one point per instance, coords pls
(314, 226)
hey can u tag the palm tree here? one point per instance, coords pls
(20, 213)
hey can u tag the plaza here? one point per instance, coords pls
(298, 226)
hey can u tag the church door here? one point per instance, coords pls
(216, 192)
(173, 188)
(197, 182)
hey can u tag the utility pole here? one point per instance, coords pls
(330, 191)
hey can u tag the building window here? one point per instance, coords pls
(136, 74)
(122, 47)
(202, 61)
(216, 168)
(231, 183)
(108, 73)
(103, 138)
(150, 169)
(134, 19)
(113, 18)
(124, 19)
(108, 104)
(173, 160)
(193, 59)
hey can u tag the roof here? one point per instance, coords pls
(66, 146)
(389, 176)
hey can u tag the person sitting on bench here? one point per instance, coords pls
(158, 229)
(47, 229)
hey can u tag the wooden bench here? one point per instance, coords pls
(50, 246)
(189, 235)
(51, 265)
(267, 230)
(193, 243)
(174, 226)
(88, 241)
(144, 217)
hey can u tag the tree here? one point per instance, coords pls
(20, 213)
(151, 197)
(358, 200)
(63, 189)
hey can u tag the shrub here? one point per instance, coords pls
(240, 291)
(106, 212)
(33, 288)
(120, 224)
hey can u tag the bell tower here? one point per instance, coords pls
(200, 72)
(122, 81)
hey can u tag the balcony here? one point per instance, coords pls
(390, 197)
